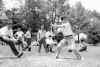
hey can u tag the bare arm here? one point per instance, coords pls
(38, 35)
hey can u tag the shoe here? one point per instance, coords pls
(20, 55)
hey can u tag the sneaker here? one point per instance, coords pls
(20, 55)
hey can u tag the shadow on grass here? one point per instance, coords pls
(67, 58)
(4, 58)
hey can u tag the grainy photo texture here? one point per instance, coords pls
(49, 33)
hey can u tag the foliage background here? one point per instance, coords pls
(44, 12)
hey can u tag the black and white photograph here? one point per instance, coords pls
(49, 33)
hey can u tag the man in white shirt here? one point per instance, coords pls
(68, 39)
(6, 35)
(41, 33)
(41, 39)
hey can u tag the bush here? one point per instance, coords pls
(94, 38)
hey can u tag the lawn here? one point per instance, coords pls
(33, 59)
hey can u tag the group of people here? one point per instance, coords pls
(13, 38)
(44, 37)
(63, 37)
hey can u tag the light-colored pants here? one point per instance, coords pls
(70, 43)
(67, 41)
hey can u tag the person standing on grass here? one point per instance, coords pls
(41, 39)
(28, 39)
(6, 35)
(68, 39)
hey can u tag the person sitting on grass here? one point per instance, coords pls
(49, 41)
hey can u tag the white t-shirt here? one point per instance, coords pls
(19, 34)
(28, 34)
(40, 34)
(4, 31)
(49, 41)
(67, 30)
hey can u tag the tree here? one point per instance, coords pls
(1, 4)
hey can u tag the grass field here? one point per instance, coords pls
(33, 59)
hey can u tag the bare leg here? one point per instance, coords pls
(12, 46)
(59, 47)
(76, 53)
(74, 50)
(58, 52)
(84, 47)
(39, 48)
